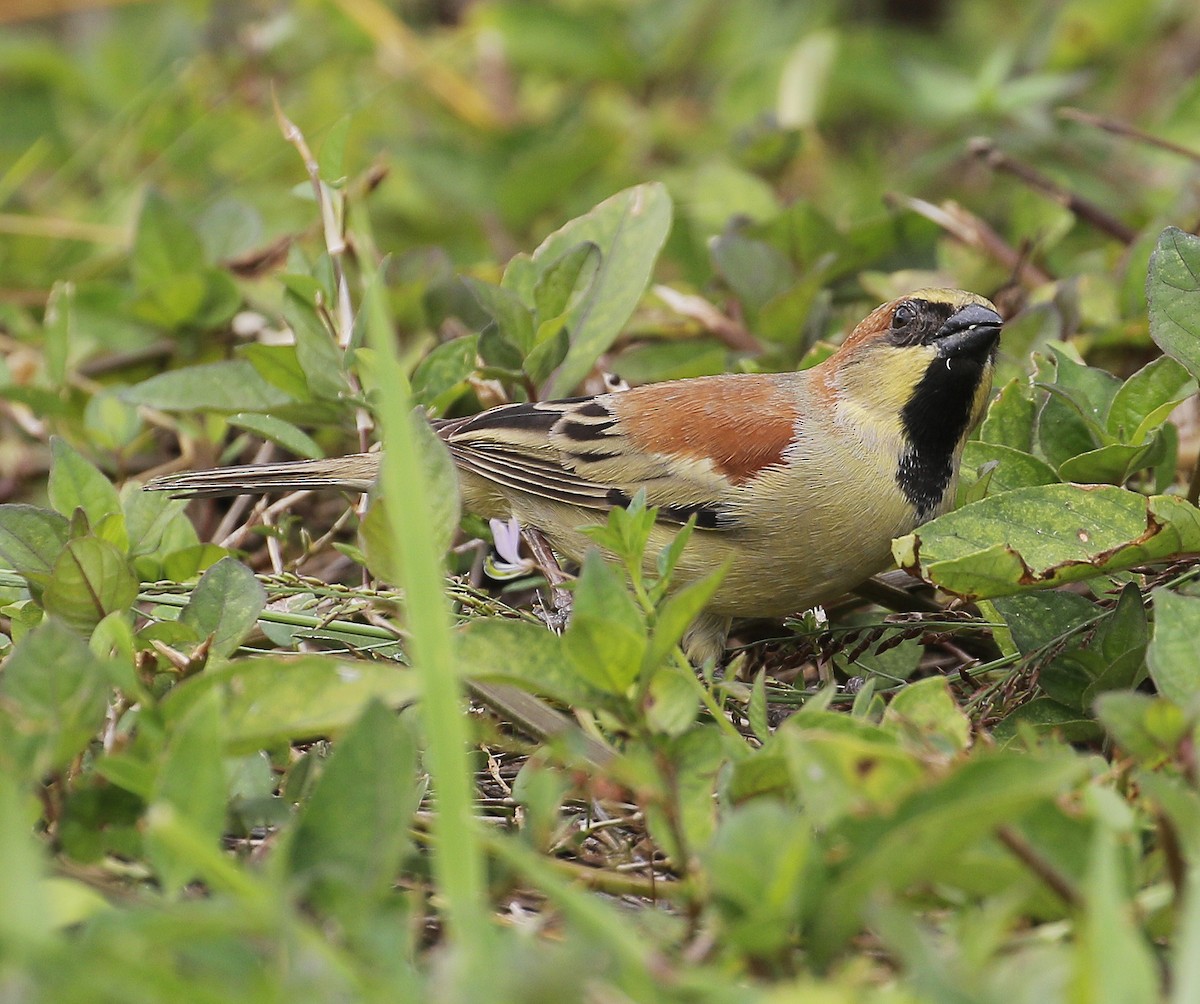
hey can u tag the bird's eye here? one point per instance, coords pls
(903, 315)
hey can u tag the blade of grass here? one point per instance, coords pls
(458, 859)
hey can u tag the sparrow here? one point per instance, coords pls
(797, 482)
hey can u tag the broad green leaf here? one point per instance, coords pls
(277, 699)
(26, 922)
(1046, 716)
(443, 368)
(629, 229)
(164, 246)
(1185, 957)
(547, 354)
(279, 366)
(53, 698)
(756, 862)
(566, 280)
(190, 779)
(1146, 727)
(606, 639)
(112, 423)
(1110, 465)
(498, 352)
(1172, 655)
(1088, 389)
(319, 356)
(1010, 418)
(1014, 469)
(1173, 293)
(76, 483)
(347, 845)
(756, 271)
(529, 655)
(989, 789)
(31, 539)
(510, 313)
(225, 605)
(671, 700)
(840, 768)
(1114, 962)
(277, 431)
(229, 386)
(676, 613)
(925, 716)
(1051, 534)
(90, 580)
(1150, 394)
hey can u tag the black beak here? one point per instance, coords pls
(972, 331)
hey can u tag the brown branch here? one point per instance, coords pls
(1055, 880)
(1119, 128)
(974, 232)
(1085, 209)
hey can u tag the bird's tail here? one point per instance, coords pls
(355, 473)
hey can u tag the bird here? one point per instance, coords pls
(796, 482)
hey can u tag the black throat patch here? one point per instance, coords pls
(936, 417)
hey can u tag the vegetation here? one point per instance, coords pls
(236, 757)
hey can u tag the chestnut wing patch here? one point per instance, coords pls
(739, 424)
(576, 452)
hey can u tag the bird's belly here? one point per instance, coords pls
(798, 562)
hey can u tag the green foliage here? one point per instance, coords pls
(231, 770)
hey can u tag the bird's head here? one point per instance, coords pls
(918, 352)
(918, 371)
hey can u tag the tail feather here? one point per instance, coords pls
(355, 473)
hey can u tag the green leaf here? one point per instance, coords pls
(229, 386)
(842, 767)
(926, 717)
(26, 922)
(629, 229)
(564, 281)
(756, 271)
(1113, 464)
(1145, 727)
(1150, 395)
(606, 639)
(190, 779)
(53, 698)
(31, 539)
(443, 368)
(277, 431)
(1114, 962)
(676, 614)
(757, 862)
(1014, 469)
(547, 354)
(76, 483)
(507, 309)
(164, 246)
(988, 790)
(1046, 716)
(1173, 294)
(279, 366)
(279, 699)
(353, 831)
(529, 655)
(318, 354)
(90, 580)
(1172, 655)
(225, 606)
(1052, 534)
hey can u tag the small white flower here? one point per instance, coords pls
(507, 539)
